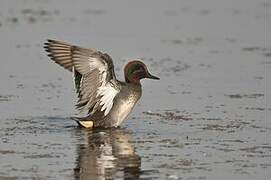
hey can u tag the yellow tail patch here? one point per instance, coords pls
(86, 124)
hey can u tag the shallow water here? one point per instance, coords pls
(207, 118)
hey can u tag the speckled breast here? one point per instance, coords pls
(124, 104)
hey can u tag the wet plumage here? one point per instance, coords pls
(106, 100)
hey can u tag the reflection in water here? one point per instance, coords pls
(107, 154)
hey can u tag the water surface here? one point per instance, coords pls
(207, 118)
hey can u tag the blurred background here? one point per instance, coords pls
(207, 118)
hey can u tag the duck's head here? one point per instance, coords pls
(136, 70)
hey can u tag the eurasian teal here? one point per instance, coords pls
(106, 100)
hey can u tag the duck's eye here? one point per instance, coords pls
(138, 69)
(141, 68)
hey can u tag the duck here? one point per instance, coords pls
(106, 100)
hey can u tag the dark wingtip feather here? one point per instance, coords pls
(52, 47)
(51, 40)
(46, 47)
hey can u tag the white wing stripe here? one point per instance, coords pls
(107, 94)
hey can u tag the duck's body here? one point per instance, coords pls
(107, 100)
(123, 105)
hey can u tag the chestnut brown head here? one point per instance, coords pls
(136, 70)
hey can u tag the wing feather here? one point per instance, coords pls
(94, 75)
(60, 53)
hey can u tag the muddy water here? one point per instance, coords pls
(207, 118)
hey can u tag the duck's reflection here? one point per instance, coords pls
(107, 154)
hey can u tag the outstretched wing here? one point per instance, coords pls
(95, 78)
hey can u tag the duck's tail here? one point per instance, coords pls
(83, 122)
